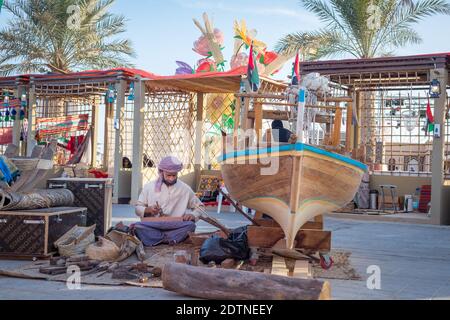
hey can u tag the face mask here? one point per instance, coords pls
(170, 183)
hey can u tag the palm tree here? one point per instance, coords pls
(62, 36)
(362, 28)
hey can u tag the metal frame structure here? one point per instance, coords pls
(379, 85)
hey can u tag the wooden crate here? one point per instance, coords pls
(94, 194)
(31, 234)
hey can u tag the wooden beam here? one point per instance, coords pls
(223, 284)
(349, 128)
(314, 225)
(336, 136)
(266, 237)
(258, 119)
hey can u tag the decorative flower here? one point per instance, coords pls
(184, 68)
(201, 46)
(267, 57)
(206, 65)
(239, 60)
(243, 34)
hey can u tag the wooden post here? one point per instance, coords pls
(237, 122)
(138, 145)
(198, 150)
(94, 138)
(336, 136)
(349, 128)
(438, 216)
(31, 141)
(258, 120)
(17, 124)
(357, 96)
(120, 104)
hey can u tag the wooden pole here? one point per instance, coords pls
(17, 124)
(336, 137)
(237, 121)
(94, 138)
(120, 104)
(258, 119)
(439, 215)
(138, 145)
(256, 223)
(223, 284)
(349, 128)
(31, 141)
(198, 150)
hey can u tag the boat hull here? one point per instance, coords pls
(305, 183)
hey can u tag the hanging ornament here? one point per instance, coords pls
(23, 105)
(6, 105)
(111, 94)
(131, 92)
(13, 114)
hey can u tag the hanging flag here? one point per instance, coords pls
(296, 70)
(1, 5)
(252, 72)
(430, 118)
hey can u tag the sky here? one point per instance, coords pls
(162, 31)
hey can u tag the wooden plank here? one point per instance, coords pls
(302, 268)
(312, 225)
(266, 237)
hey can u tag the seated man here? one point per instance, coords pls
(279, 132)
(168, 207)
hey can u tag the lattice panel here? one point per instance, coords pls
(126, 130)
(218, 114)
(393, 131)
(169, 129)
(447, 138)
(63, 118)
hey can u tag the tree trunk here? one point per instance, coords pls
(222, 284)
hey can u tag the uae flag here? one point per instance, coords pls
(296, 70)
(430, 119)
(252, 72)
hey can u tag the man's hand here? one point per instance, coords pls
(151, 211)
(189, 217)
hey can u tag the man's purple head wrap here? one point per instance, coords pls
(168, 164)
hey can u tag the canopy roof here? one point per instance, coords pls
(386, 71)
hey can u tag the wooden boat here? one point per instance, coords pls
(310, 181)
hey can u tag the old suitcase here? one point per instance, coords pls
(31, 233)
(94, 194)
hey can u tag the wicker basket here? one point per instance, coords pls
(25, 164)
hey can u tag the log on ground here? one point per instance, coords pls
(222, 284)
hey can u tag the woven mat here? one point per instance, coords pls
(159, 256)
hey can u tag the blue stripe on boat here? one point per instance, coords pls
(293, 147)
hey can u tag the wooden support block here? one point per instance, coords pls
(302, 268)
(266, 237)
(258, 215)
(311, 225)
